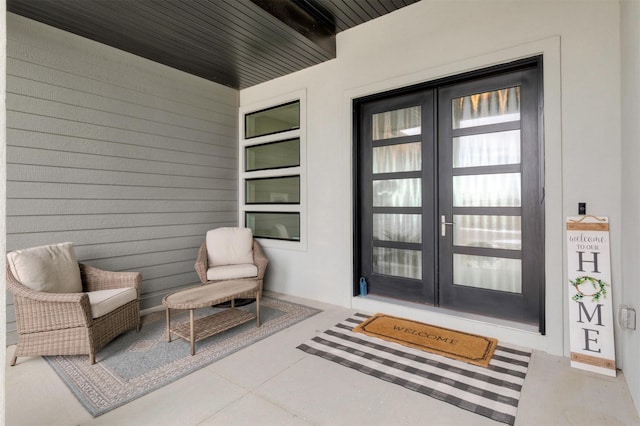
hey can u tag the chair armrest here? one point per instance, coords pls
(94, 279)
(40, 311)
(202, 263)
(259, 259)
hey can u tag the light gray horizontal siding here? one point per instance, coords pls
(131, 161)
(113, 149)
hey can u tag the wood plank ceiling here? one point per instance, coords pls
(237, 43)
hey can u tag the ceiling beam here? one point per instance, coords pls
(307, 18)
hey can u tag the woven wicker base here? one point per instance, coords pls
(213, 324)
(237, 303)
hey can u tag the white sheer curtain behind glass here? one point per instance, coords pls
(400, 122)
(487, 149)
(498, 106)
(397, 192)
(486, 188)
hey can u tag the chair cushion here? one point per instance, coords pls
(105, 301)
(51, 269)
(231, 272)
(229, 246)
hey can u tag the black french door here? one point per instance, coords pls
(397, 197)
(449, 208)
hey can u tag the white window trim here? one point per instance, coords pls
(301, 133)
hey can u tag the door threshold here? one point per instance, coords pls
(371, 301)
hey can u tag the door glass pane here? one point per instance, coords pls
(490, 190)
(480, 109)
(272, 120)
(397, 262)
(272, 155)
(487, 149)
(400, 122)
(276, 225)
(397, 193)
(398, 227)
(498, 232)
(284, 190)
(492, 273)
(406, 157)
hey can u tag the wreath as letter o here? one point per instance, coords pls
(599, 286)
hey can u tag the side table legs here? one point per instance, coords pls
(168, 325)
(258, 310)
(192, 329)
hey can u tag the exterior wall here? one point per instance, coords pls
(130, 160)
(3, 180)
(432, 39)
(630, 19)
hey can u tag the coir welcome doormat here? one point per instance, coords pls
(467, 347)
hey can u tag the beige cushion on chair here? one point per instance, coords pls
(229, 246)
(105, 301)
(51, 269)
(232, 272)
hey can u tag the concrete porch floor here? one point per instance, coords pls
(273, 383)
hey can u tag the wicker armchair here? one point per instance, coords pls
(62, 323)
(203, 266)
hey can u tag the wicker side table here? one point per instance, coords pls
(206, 296)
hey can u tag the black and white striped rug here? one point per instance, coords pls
(491, 392)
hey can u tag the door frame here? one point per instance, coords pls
(357, 103)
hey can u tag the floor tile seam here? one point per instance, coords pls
(220, 375)
(233, 379)
(286, 409)
(269, 401)
(264, 396)
(210, 419)
(211, 416)
(244, 391)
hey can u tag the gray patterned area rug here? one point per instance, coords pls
(135, 364)
(491, 391)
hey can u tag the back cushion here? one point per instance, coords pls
(52, 269)
(229, 246)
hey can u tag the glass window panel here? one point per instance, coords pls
(498, 232)
(499, 106)
(490, 190)
(272, 120)
(487, 149)
(397, 193)
(281, 190)
(492, 273)
(400, 122)
(406, 157)
(398, 227)
(397, 262)
(274, 225)
(272, 155)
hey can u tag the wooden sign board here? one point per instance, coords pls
(590, 306)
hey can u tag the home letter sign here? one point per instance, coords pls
(590, 307)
